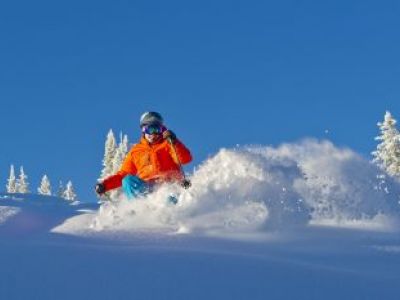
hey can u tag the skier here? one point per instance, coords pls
(156, 159)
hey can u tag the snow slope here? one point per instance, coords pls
(301, 221)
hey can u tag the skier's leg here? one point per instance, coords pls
(133, 186)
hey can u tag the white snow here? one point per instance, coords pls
(300, 221)
(7, 212)
(255, 189)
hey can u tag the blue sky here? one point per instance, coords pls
(221, 72)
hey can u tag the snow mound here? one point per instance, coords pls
(26, 214)
(252, 189)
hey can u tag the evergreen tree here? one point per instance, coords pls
(11, 182)
(45, 187)
(125, 144)
(69, 193)
(387, 154)
(117, 161)
(119, 157)
(120, 154)
(109, 153)
(22, 182)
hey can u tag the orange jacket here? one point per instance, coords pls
(151, 162)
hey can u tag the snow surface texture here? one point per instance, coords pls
(7, 212)
(258, 189)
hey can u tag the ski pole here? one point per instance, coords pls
(186, 182)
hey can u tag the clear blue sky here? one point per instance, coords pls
(221, 72)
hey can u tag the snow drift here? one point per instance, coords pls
(255, 188)
(28, 214)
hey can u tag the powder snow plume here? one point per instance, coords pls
(257, 189)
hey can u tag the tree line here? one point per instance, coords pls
(21, 185)
(114, 155)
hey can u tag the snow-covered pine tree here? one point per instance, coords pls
(69, 193)
(125, 144)
(117, 161)
(119, 157)
(120, 154)
(387, 154)
(61, 189)
(109, 153)
(12, 182)
(45, 187)
(22, 182)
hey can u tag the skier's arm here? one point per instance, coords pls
(115, 181)
(183, 153)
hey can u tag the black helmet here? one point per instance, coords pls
(151, 118)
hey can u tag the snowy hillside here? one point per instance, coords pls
(302, 221)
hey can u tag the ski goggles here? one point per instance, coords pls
(152, 129)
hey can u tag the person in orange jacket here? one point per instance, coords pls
(157, 158)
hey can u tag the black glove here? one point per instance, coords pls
(100, 189)
(186, 184)
(169, 136)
